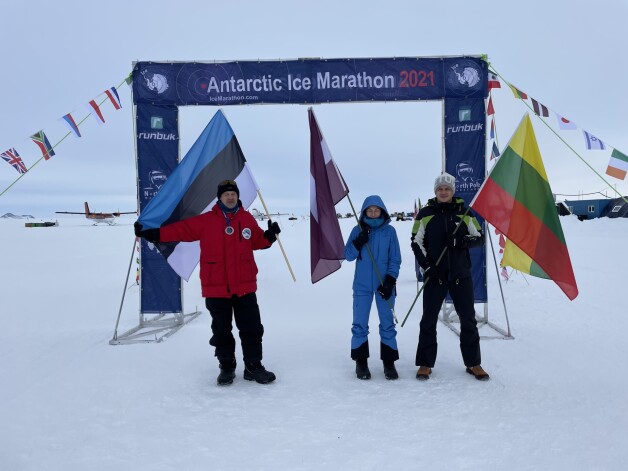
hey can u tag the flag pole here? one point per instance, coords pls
(442, 254)
(259, 193)
(379, 276)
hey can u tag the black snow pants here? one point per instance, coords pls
(461, 292)
(247, 318)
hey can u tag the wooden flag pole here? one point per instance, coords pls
(279, 241)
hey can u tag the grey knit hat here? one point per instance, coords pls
(445, 179)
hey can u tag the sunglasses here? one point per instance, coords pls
(227, 182)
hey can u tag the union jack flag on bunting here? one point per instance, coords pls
(14, 159)
(42, 142)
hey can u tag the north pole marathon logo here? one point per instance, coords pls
(464, 77)
(465, 181)
(156, 179)
(155, 82)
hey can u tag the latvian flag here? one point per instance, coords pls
(14, 159)
(190, 189)
(42, 142)
(327, 188)
(112, 94)
(539, 108)
(94, 110)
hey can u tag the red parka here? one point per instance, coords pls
(227, 264)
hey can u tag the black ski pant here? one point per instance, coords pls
(247, 318)
(461, 292)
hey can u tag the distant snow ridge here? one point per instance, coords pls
(15, 216)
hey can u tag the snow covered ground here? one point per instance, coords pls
(70, 401)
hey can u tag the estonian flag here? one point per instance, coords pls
(191, 188)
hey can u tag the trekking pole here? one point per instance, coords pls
(379, 276)
(442, 254)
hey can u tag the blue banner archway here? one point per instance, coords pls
(159, 88)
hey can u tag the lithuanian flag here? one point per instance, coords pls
(517, 199)
(515, 258)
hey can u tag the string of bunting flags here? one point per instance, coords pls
(493, 82)
(618, 163)
(94, 108)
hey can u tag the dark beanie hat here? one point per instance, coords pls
(227, 185)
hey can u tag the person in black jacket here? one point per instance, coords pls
(444, 224)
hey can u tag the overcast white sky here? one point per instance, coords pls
(59, 55)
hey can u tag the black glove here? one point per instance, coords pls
(387, 287)
(362, 238)
(272, 231)
(151, 235)
(416, 250)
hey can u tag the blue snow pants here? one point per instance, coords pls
(362, 302)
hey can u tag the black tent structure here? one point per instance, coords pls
(617, 208)
(562, 209)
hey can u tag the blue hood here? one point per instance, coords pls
(374, 200)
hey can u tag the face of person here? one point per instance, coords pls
(444, 194)
(229, 199)
(373, 212)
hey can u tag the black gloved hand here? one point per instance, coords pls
(416, 249)
(151, 235)
(362, 238)
(272, 231)
(387, 287)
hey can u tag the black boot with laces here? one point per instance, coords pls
(256, 371)
(227, 373)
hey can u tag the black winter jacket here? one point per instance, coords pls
(434, 225)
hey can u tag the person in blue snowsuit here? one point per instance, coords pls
(374, 234)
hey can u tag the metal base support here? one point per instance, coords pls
(449, 317)
(155, 329)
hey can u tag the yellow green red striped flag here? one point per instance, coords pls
(517, 199)
(515, 258)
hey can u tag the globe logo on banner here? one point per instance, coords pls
(464, 77)
(464, 178)
(157, 178)
(155, 82)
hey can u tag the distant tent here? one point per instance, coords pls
(562, 209)
(617, 208)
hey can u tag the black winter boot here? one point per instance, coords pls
(256, 371)
(362, 369)
(390, 372)
(227, 373)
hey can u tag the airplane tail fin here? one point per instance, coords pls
(86, 209)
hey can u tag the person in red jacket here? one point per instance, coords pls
(228, 235)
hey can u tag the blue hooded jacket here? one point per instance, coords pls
(384, 246)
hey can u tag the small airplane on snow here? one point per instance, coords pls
(262, 216)
(107, 218)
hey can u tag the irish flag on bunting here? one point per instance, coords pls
(517, 199)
